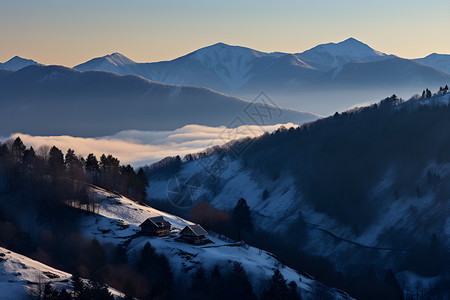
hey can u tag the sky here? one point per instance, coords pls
(69, 32)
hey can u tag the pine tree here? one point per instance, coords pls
(56, 162)
(18, 149)
(238, 286)
(242, 218)
(92, 167)
(277, 288)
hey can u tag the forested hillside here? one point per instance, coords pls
(366, 183)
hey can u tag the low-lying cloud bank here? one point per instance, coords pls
(143, 147)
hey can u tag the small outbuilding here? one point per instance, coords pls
(194, 234)
(156, 226)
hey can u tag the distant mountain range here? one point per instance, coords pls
(244, 71)
(327, 78)
(97, 103)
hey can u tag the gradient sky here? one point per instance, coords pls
(69, 32)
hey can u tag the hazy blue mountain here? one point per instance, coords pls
(98, 103)
(327, 78)
(17, 63)
(437, 61)
(398, 72)
(221, 67)
(238, 69)
(326, 57)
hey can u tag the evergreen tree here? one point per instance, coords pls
(277, 288)
(238, 286)
(18, 149)
(56, 162)
(142, 185)
(242, 218)
(73, 165)
(92, 167)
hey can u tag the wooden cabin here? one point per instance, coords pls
(156, 226)
(194, 234)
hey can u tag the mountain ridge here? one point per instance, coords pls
(62, 94)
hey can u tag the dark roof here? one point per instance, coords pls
(196, 230)
(158, 221)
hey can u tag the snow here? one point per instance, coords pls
(17, 63)
(409, 214)
(117, 219)
(114, 62)
(336, 55)
(231, 63)
(437, 61)
(21, 276)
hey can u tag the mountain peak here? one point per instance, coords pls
(335, 55)
(17, 63)
(351, 40)
(110, 62)
(118, 59)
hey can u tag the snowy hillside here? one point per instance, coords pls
(22, 277)
(117, 220)
(17, 63)
(278, 202)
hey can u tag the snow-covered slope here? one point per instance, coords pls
(334, 55)
(302, 81)
(117, 220)
(437, 61)
(22, 277)
(17, 63)
(220, 66)
(388, 72)
(114, 62)
(402, 220)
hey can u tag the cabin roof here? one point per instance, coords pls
(195, 229)
(158, 221)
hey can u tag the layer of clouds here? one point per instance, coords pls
(143, 147)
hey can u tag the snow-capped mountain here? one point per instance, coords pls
(437, 61)
(109, 103)
(326, 57)
(303, 81)
(396, 72)
(220, 66)
(233, 68)
(24, 278)
(114, 62)
(17, 63)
